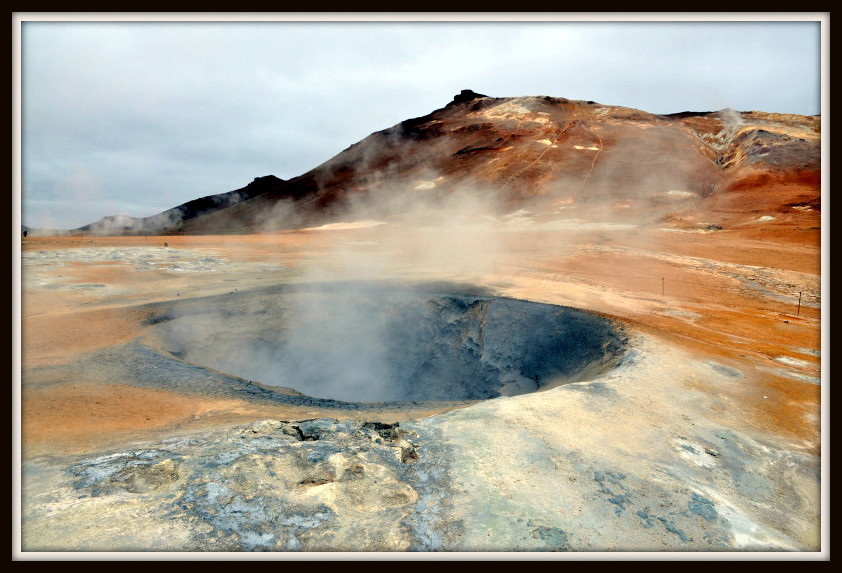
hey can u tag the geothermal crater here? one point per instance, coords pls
(376, 342)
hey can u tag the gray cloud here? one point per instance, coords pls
(138, 117)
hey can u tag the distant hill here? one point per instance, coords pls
(173, 220)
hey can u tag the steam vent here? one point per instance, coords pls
(366, 342)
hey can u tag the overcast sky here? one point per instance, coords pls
(138, 117)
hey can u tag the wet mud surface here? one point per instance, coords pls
(371, 342)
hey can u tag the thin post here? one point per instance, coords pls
(799, 302)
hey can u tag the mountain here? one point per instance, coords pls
(550, 156)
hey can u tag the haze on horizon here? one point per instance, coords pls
(138, 117)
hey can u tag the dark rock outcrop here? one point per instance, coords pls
(465, 96)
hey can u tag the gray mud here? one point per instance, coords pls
(373, 343)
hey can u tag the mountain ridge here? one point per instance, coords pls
(551, 155)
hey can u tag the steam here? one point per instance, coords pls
(338, 341)
(400, 219)
(340, 344)
(398, 230)
(332, 338)
(732, 120)
(125, 224)
(281, 214)
(167, 221)
(427, 225)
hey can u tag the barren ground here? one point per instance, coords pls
(722, 298)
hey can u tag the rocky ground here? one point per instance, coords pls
(705, 437)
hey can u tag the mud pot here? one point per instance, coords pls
(372, 342)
